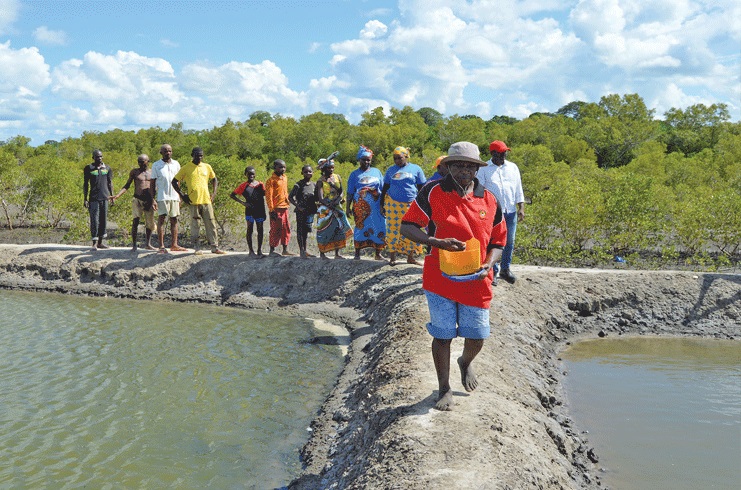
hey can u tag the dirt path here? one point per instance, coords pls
(378, 428)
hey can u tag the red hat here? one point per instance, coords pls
(498, 146)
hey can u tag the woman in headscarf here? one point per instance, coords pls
(332, 227)
(364, 190)
(400, 186)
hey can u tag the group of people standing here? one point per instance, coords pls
(376, 201)
(467, 201)
(155, 190)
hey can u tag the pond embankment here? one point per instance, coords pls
(378, 429)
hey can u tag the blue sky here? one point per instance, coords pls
(72, 66)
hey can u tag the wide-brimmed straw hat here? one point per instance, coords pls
(463, 151)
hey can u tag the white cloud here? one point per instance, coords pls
(23, 78)
(242, 84)
(121, 89)
(23, 67)
(8, 14)
(44, 35)
(484, 57)
(373, 29)
(168, 43)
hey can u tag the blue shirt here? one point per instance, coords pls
(359, 179)
(403, 181)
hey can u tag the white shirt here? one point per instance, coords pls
(504, 182)
(163, 173)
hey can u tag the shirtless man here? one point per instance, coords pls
(142, 204)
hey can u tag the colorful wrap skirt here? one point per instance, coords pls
(332, 229)
(395, 242)
(370, 225)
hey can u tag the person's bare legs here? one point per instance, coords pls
(471, 348)
(392, 258)
(134, 229)
(260, 230)
(148, 234)
(248, 237)
(174, 229)
(161, 230)
(441, 358)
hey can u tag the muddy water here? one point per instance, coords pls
(103, 393)
(661, 413)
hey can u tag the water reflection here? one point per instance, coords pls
(101, 392)
(661, 413)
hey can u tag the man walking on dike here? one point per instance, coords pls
(196, 176)
(142, 204)
(168, 201)
(276, 197)
(456, 210)
(97, 189)
(502, 178)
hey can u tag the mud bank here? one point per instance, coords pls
(377, 429)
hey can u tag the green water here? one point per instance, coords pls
(661, 413)
(107, 393)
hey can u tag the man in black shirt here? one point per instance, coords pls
(96, 192)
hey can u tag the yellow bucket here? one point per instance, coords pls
(461, 263)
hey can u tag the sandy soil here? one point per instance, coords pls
(378, 428)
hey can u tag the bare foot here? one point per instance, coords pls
(311, 256)
(103, 247)
(339, 257)
(378, 257)
(412, 260)
(468, 376)
(163, 250)
(445, 401)
(134, 248)
(275, 254)
(251, 254)
(178, 248)
(149, 247)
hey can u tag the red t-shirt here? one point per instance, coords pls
(446, 214)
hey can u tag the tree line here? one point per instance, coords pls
(602, 179)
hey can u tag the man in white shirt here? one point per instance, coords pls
(168, 200)
(502, 178)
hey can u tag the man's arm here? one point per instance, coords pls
(125, 187)
(176, 186)
(85, 186)
(109, 181)
(216, 187)
(417, 234)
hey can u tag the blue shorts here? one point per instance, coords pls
(250, 219)
(446, 314)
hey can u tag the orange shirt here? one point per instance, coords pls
(276, 192)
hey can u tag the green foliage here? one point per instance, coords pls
(600, 179)
(634, 213)
(458, 128)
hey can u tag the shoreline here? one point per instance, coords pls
(377, 429)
